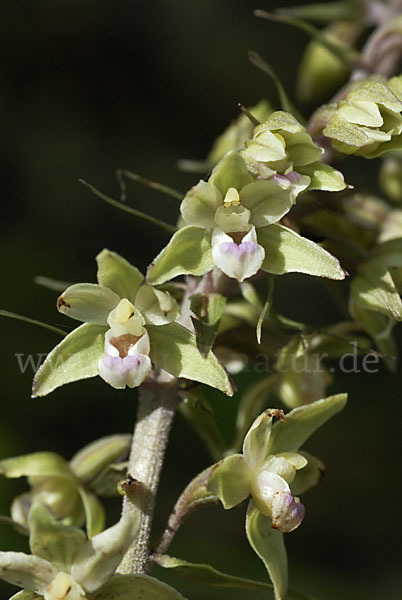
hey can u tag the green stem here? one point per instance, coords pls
(157, 404)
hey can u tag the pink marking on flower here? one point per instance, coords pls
(238, 250)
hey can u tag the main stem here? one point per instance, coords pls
(157, 405)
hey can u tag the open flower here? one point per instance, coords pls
(282, 151)
(274, 472)
(232, 222)
(128, 326)
(64, 565)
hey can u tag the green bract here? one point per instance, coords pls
(120, 336)
(271, 470)
(282, 151)
(368, 121)
(232, 222)
(64, 565)
(69, 489)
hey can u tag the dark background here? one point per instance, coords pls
(86, 87)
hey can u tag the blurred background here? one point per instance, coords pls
(87, 87)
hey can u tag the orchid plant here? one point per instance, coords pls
(257, 215)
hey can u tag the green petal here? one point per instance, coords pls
(94, 514)
(267, 201)
(88, 302)
(99, 557)
(361, 112)
(230, 480)
(302, 422)
(342, 131)
(308, 476)
(92, 459)
(374, 91)
(323, 177)
(188, 252)
(231, 171)
(200, 205)
(373, 289)
(269, 545)
(24, 595)
(38, 464)
(288, 252)
(283, 120)
(26, 571)
(174, 349)
(135, 587)
(301, 149)
(49, 539)
(76, 357)
(117, 274)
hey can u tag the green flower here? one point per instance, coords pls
(232, 222)
(368, 121)
(128, 325)
(282, 151)
(273, 472)
(70, 489)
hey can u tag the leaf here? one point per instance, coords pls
(285, 102)
(197, 410)
(373, 289)
(302, 422)
(92, 459)
(174, 349)
(288, 252)
(202, 574)
(94, 514)
(76, 357)
(208, 310)
(135, 587)
(269, 545)
(230, 480)
(38, 464)
(117, 274)
(88, 302)
(188, 252)
(128, 209)
(323, 177)
(11, 315)
(49, 539)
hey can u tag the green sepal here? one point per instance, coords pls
(302, 422)
(323, 177)
(288, 252)
(38, 464)
(308, 476)
(92, 459)
(188, 252)
(25, 595)
(269, 545)
(199, 413)
(230, 172)
(106, 484)
(174, 349)
(230, 480)
(88, 302)
(135, 587)
(117, 274)
(95, 517)
(49, 539)
(208, 311)
(373, 289)
(25, 570)
(75, 358)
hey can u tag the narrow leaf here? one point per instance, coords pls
(11, 315)
(269, 545)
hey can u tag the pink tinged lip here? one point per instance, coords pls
(122, 365)
(238, 250)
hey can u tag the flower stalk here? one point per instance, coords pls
(158, 400)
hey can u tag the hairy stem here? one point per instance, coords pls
(157, 404)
